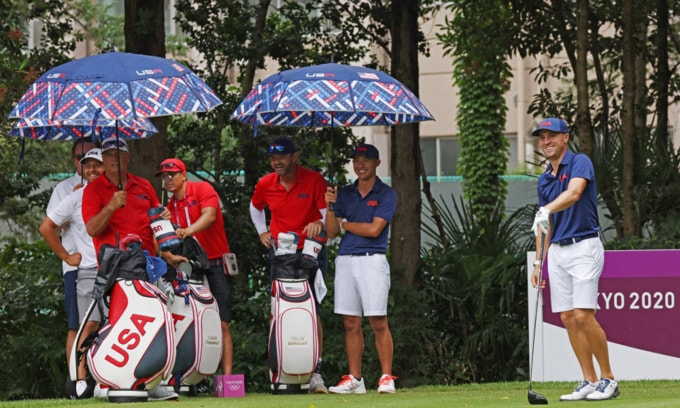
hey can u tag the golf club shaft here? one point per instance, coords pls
(538, 296)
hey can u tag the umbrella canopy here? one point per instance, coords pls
(69, 130)
(331, 95)
(122, 85)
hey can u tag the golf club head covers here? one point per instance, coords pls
(287, 243)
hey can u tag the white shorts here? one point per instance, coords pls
(574, 272)
(362, 285)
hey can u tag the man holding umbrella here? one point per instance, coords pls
(116, 205)
(295, 197)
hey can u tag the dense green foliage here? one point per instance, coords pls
(32, 323)
(479, 45)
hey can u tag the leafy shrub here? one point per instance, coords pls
(32, 323)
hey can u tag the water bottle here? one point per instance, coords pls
(163, 230)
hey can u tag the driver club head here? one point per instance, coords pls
(536, 398)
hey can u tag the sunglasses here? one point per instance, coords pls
(277, 149)
(169, 176)
(168, 166)
(113, 143)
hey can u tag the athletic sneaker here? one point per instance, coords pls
(606, 389)
(349, 385)
(101, 391)
(580, 393)
(386, 384)
(161, 393)
(316, 385)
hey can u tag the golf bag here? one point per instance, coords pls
(134, 350)
(198, 329)
(293, 336)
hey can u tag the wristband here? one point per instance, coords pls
(341, 221)
(537, 263)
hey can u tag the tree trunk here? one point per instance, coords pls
(583, 122)
(405, 141)
(145, 20)
(628, 117)
(249, 148)
(663, 72)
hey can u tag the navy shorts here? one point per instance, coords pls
(221, 289)
(71, 299)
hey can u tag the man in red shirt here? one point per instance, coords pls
(195, 208)
(117, 204)
(296, 200)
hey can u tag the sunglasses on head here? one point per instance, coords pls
(113, 143)
(168, 166)
(277, 149)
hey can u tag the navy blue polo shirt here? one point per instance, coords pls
(380, 202)
(581, 218)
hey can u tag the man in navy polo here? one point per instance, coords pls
(362, 213)
(567, 218)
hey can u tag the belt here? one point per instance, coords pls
(215, 262)
(367, 253)
(573, 240)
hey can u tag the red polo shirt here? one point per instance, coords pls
(131, 219)
(291, 210)
(199, 195)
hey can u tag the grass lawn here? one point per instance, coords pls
(639, 394)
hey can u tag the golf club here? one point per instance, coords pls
(534, 397)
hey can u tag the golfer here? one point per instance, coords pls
(568, 218)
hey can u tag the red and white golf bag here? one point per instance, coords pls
(135, 349)
(198, 336)
(293, 336)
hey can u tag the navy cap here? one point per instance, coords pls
(553, 124)
(367, 150)
(282, 146)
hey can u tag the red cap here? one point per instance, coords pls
(170, 166)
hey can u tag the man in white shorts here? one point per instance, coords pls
(68, 212)
(362, 213)
(567, 219)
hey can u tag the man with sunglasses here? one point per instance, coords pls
(295, 198)
(117, 205)
(70, 265)
(195, 208)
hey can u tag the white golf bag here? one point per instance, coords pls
(293, 336)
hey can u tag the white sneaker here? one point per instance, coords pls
(101, 391)
(161, 393)
(606, 389)
(349, 385)
(316, 384)
(386, 384)
(81, 388)
(581, 391)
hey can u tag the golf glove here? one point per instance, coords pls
(542, 221)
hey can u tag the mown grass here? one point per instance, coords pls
(639, 394)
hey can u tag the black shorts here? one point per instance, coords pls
(221, 289)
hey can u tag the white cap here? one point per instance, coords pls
(95, 153)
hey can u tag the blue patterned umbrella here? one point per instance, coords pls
(330, 95)
(119, 85)
(46, 129)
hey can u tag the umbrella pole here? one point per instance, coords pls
(120, 181)
(331, 206)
